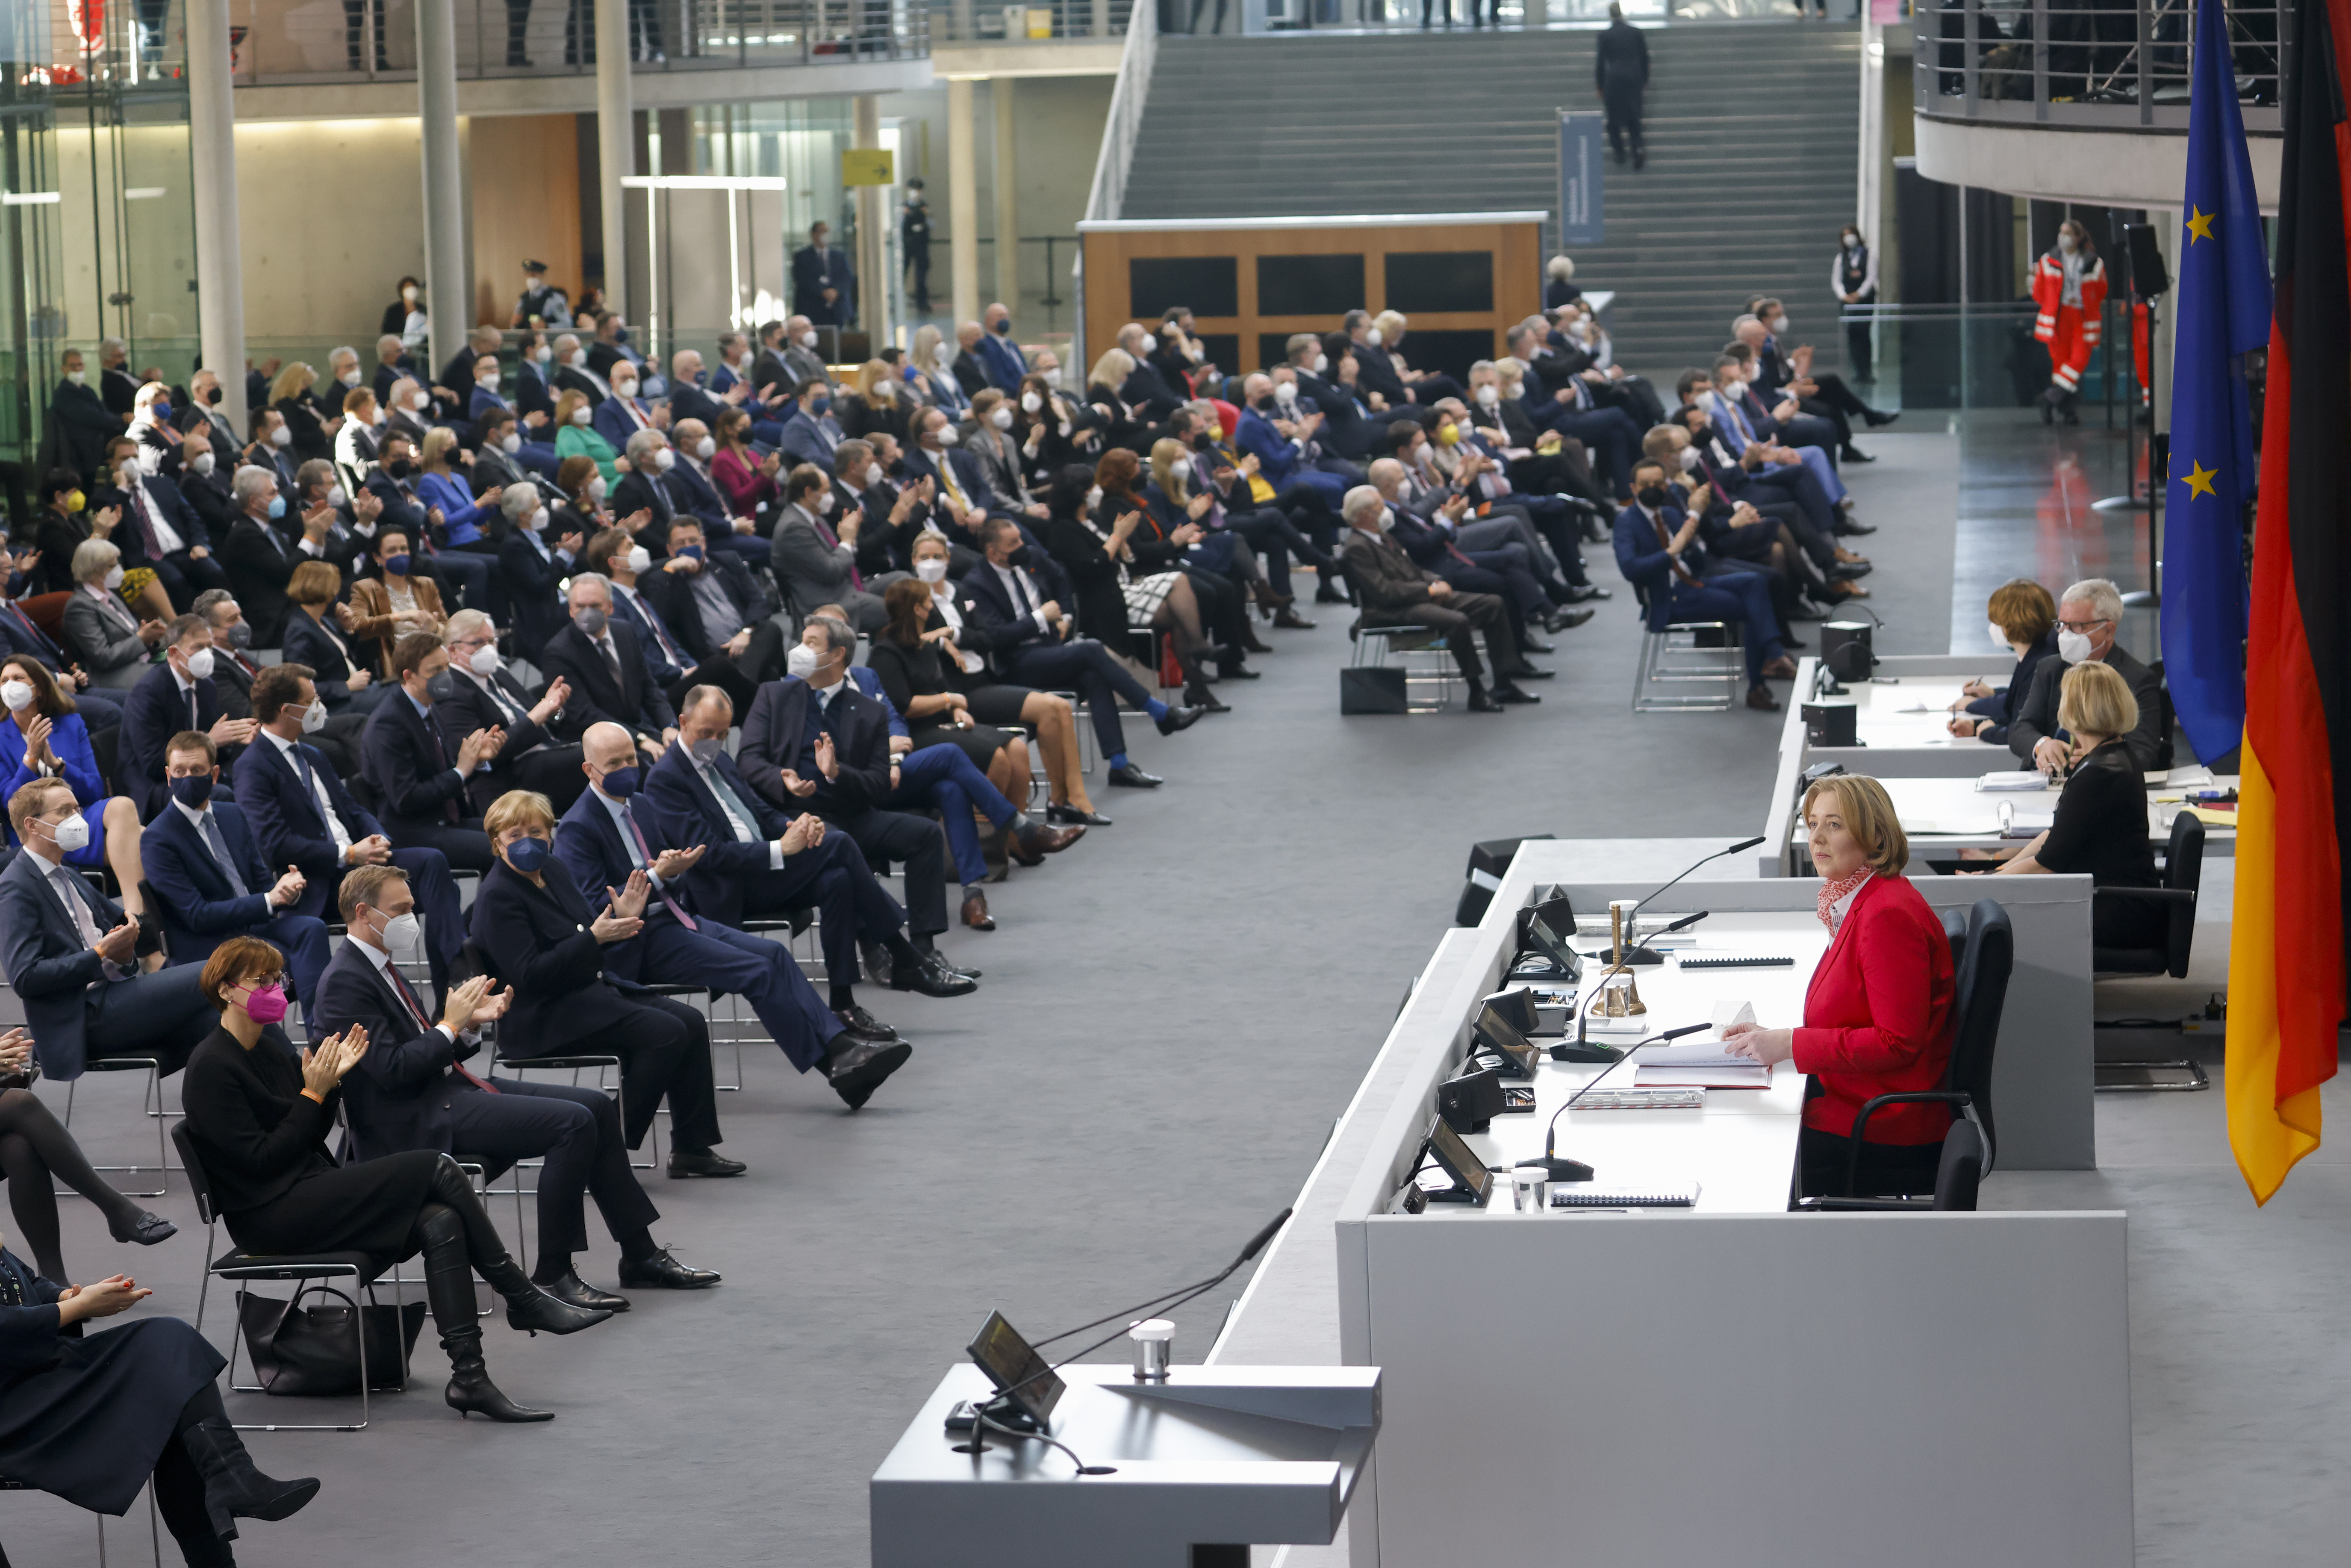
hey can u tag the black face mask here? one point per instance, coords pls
(1019, 556)
(1652, 496)
(1202, 441)
(441, 687)
(400, 467)
(214, 396)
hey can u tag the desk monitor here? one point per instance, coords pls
(1551, 930)
(1458, 1161)
(1018, 1373)
(1499, 1034)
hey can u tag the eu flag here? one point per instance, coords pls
(2221, 312)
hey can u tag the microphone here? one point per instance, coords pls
(1576, 1170)
(1584, 1050)
(1613, 956)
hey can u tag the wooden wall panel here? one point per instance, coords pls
(526, 180)
(1516, 248)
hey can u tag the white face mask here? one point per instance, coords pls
(113, 578)
(1690, 459)
(1385, 520)
(1998, 637)
(335, 496)
(401, 933)
(808, 339)
(1374, 337)
(78, 377)
(350, 378)
(639, 558)
(484, 661)
(801, 661)
(511, 441)
(704, 447)
(542, 354)
(376, 415)
(944, 355)
(931, 568)
(596, 489)
(282, 436)
(1093, 498)
(200, 665)
(2065, 243)
(664, 460)
(71, 834)
(487, 382)
(202, 462)
(1779, 325)
(1489, 394)
(538, 519)
(824, 504)
(624, 389)
(1853, 242)
(582, 414)
(1030, 403)
(314, 718)
(408, 294)
(884, 392)
(2074, 647)
(1285, 392)
(577, 358)
(1052, 374)
(949, 436)
(1321, 364)
(1001, 417)
(16, 695)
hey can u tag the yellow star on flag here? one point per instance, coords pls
(2200, 480)
(2200, 225)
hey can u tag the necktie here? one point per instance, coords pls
(424, 1025)
(508, 709)
(74, 893)
(143, 507)
(732, 804)
(449, 813)
(661, 633)
(209, 826)
(832, 541)
(644, 852)
(196, 719)
(612, 661)
(1022, 600)
(1681, 571)
(946, 478)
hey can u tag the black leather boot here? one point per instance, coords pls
(234, 1489)
(449, 1286)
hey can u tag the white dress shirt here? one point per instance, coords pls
(317, 795)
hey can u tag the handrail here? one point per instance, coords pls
(2124, 66)
(1124, 123)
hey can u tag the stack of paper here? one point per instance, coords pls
(2025, 781)
(1697, 1067)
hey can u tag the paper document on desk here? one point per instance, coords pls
(2028, 780)
(1727, 1013)
(1697, 1067)
(2181, 778)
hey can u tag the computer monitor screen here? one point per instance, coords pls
(1460, 1162)
(1550, 929)
(1498, 1033)
(1018, 1373)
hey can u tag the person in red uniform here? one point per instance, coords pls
(2069, 297)
(1878, 1015)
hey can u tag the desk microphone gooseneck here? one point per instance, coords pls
(1576, 1170)
(1613, 955)
(1583, 1048)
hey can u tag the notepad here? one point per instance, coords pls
(1697, 1067)
(2025, 782)
(1654, 1195)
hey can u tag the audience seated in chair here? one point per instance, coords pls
(43, 735)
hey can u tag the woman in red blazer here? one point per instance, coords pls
(1878, 1015)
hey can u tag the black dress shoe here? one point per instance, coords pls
(1568, 620)
(1851, 529)
(856, 1072)
(1533, 644)
(1530, 672)
(1239, 672)
(1506, 693)
(1202, 698)
(1578, 593)
(541, 1310)
(1133, 777)
(704, 1164)
(579, 1293)
(1847, 571)
(1289, 620)
(1328, 594)
(1073, 817)
(1855, 455)
(1482, 700)
(932, 977)
(1177, 718)
(875, 960)
(145, 1229)
(1878, 416)
(860, 1025)
(663, 1272)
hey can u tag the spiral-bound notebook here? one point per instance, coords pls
(1593, 1194)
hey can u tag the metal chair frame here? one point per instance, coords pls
(1407, 641)
(155, 1529)
(1675, 657)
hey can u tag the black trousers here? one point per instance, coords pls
(1456, 615)
(1274, 536)
(664, 1049)
(184, 577)
(918, 262)
(1085, 666)
(741, 678)
(1623, 106)
(163, 1015)
(833, 878)
(1887, 1170)
(578, 1132)
(915, 843)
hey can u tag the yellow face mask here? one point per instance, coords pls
(76, 500)
(1448, 434)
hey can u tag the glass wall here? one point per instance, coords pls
(97, 226)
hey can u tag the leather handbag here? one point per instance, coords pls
(1371, 689)
(315, 1350)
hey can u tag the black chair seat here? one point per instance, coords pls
(558, 1063)
(243, 1265)
(2128, 960)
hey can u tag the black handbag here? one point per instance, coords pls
(299, 1350)
(1371, 689)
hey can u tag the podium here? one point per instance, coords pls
(1216, 1458)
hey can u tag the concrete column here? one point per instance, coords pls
(1870, 195)
(212, 156)
(615, 148)
(873, 290)
(450, 304)
(962, 207)
(1007, 198)
(1100, 28)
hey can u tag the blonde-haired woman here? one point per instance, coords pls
(930, 370)
(575, 437)
(289, 396)
(1879, 1010)
(872, 406)
(465, 517)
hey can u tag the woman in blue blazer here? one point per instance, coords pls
(44, 738)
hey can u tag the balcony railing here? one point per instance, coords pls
(2107, 64)
(1051, 21)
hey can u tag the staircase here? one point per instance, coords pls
(1751, 128)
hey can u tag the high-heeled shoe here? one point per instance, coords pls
(234, 1489)
(144, 1228)
(470, 1390)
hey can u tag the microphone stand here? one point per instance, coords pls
(1576, 1170)
(1614, 955)
(1583, 1048)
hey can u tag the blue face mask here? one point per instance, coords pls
(1004, 327)
(276, 505)
(161, 409)
(820, 406)
(621, 783)
(396, 564)
(529, 855)
(193, 791)
(691, 552)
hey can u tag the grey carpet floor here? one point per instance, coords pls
(1173, 1013)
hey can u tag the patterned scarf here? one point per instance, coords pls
(1832, 890)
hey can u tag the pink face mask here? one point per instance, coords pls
(266, 1005)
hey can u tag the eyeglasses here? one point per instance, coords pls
(2083, 626)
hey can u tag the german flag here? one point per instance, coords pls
(2286, 960)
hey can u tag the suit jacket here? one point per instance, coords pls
(530, 578)
(1375, 372)
(199, 908)
(397, 754)
(1000, 466)
(814, 271)
(531, 395)
(536, 940)
(613, 422)
(810, 440)
(20, 633)
(593, 387)
(84, 425)
(687, 401)
(469, 708)
(694, 492)
(671, 595)
(635, 704)
(817, 571)
(399, 1096)
(114, 655)
(1149, 390)
(312, 642)
(1878, 1016)
(1384, 575)
(154, 712)
(588, 845)
(990, 611)
(49, 967)
(688, 813)
(970, 374)
(289, 828)
(210, 498)
(2036, 716)
(372, 619)
(776, 737)
(639, 492)
(1276, 457)
(260, 560)
(1353, 428)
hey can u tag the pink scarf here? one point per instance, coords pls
(1832, 890)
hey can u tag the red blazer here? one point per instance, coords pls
(1878, 1016)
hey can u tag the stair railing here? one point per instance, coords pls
(1117, 155)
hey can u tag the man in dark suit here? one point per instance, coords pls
(72, 956)
(261, 559)
(824, 286)
(303, 817)
(411, 1091)
(85, 425)
(1620, 69)
(761, 862)
(210, 880)
(603, 838)
(207, 463)
(541, 750)
(658, 483)
(413, 770)
(818, 744)
(177, 695)
(968, 369)
(2089, 613)
(678, 633)
(604, 664)
(1145, 387)
(172, 535)
(1659, 551)
(116, 384)
(1394, 592)
(691, 490)
(689, 398)
(575, 371)
(203, 413)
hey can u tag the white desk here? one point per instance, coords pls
(1943, 816)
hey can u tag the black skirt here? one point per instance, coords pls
(369, 1207)
(980, 742)
(89, 1425)
(997, 705)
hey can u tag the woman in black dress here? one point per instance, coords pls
(35, 1147)
(259, 1117)
(907, 656)
(2101, 823)
(90, 1418)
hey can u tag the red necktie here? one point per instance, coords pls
(832, 541)
(645, 851)
(399, 984)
